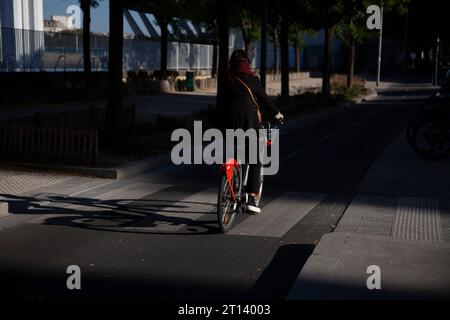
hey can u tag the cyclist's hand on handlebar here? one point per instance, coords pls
(279, 117)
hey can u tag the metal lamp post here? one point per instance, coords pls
(436, 63)
(380, 46)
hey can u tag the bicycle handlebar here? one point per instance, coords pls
(272, 124)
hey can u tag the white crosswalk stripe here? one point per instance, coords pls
(120, 196)
(177, 216)
(279, 216)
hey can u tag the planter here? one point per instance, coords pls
(165, 86)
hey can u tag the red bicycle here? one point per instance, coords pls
(232, 189)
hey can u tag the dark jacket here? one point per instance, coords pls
(241, 111)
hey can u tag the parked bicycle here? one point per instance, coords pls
(233, 181)
(429, 132)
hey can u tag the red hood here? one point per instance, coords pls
(242, 67)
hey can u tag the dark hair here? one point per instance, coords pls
(236, 57)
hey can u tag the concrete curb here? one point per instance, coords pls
(4, 209)
(116, 173)
(372, 95)
(313, 278)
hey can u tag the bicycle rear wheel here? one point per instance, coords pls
(410, 130)
(227, 207)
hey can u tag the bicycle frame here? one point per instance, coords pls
(228, 167)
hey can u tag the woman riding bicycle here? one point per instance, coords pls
(246, 100)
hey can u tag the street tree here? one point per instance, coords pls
(164, 12)
(204, 12)
(297, 39)
(223, 25)
(86, 6)
(327, 14)
(245, 16)
(115, 84)
(294, 19)
(351, 31)
(274, 30)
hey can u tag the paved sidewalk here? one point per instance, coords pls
(16, 185)
(273, 88)
(400, 222)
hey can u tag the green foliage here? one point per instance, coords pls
(166, 10)
(353, 29)
(348, 93)
(92, 3)
(250, 25)
(326, 13)
(399, 6)
(201, 11)
(297, 35)
(245, 16)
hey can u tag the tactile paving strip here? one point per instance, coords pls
(23, 182)
(417, 219)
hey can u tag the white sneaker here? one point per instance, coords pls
(251, 206)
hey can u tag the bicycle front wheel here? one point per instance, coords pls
(430, 140)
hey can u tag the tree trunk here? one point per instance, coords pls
(284, 43)
(248, 48)
(115, 98)
(86, 8)
(351, 64)
(327, 61)
(263, 51)
(296, 58)
(247, 42)
(215, 53)
(223, 23)
(163, 24)
(275, 52)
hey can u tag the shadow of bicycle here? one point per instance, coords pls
(143, 216)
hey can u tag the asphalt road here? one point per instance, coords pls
(155, 235)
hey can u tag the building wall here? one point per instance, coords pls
(59, 23)
(38, 17)
(22, 14)
(22, 40)
(310, 57)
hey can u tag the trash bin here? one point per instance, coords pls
(190, 76)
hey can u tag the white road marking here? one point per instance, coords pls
(279, 216)
(178, 215)
(360, 121)
(335, 133)
(294, 154)
(90, 189)
(126, 194)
